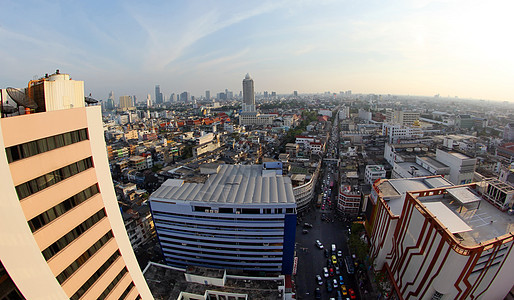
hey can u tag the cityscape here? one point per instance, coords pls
(313, 150)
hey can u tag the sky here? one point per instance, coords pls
(407, 47)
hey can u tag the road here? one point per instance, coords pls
(311, 260)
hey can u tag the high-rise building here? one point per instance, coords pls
(295, 93)
(126, 102)
(158, 95)
(61, 229)
(208, 95)
(248, 94)
(110, 101)
(148, 100)
(184, 96)
(242, 217)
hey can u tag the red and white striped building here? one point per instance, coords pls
(434, 240)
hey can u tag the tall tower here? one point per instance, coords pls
(208, 95)
(248, 94)
(61, 229)
(158, 95)
(148, 100)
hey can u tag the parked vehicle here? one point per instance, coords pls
(352, 294)
(317, 293)
(318, 279)
(325, 272)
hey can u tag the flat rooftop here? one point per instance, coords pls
(167, 283)
(433, 162)
(238, 184)
(410, 166)
(459, 155)
(472, 219)
(485, 220)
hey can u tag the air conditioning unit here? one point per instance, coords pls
(211, 211)
(237, 212)
(266, 244)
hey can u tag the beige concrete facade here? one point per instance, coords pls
(21, 249)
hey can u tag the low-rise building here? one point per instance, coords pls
(374, 172)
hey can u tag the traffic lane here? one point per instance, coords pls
(309, 263)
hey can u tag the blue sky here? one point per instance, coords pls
(416, 47)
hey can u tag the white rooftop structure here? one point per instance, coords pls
(464, 195)
(447, 217)
(237, 184)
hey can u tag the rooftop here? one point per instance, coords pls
(167, 283)
(241, 184)
(433, 162)
(460, 209)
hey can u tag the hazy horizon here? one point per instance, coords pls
(452, 48)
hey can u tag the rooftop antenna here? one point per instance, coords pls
(90, 100)
(21, 99)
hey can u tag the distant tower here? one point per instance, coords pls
(208, 95)
(110, 101)
(158, 95)
(148, 100)
(248, 94)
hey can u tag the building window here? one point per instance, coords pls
(32, 148)
(112, 284)
(61, 208)
(83, 289)
(83, 258)
(72, 235)
(127, 291)
(42, 182)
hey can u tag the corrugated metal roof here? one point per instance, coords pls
(232, 184)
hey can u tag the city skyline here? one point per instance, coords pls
(456, 48)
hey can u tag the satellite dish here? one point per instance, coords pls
(8, 109)
(20, 98)
(90, 100)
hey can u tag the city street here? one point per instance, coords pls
(311, 259)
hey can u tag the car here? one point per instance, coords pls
(334, 283)
(329, 286)
(305, 231)
(334, 248)
(339, 253)
(325, 272)
(318, 279)
(319, 244)
(337, 270)
(343, 290)
(339, 295)
(341, 281)
(352, 294)
(331, 271)
(317, 293)
(334, 259)
(307, 225)
(326, 253)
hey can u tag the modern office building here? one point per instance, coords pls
(248, 94)
(158, 95)
(434, 240)
(148, 100)
(61, 229)
(208, 95)
(241, 217)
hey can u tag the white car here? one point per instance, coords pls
(319, 244)
(325, 272)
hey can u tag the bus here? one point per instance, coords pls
(331, 184)
(348, 261)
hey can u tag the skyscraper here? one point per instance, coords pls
(158, 95)
(248, 94)
(126, 102)
(184, 97)
(61, 229)
(208, 95)
(148, 100)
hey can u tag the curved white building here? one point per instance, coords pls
(61, 231)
